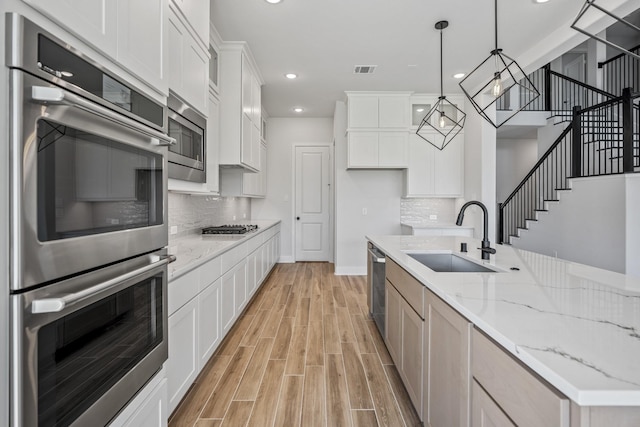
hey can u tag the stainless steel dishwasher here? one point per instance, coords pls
(376, 275)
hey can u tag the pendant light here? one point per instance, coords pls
(592, 3)
(444, 117)
(495, 76)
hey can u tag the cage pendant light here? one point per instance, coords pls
(591, 5)
(444, 120)
(497, 76)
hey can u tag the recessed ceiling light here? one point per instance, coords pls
(458, 75)
(273, 1)
(419, 110)
(540, 1)
(291, 75)
(298, 110)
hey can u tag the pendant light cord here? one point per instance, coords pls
(496, 23)
(441, 89)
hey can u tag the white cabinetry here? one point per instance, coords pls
(189, 64)
(196, 13)
(377, 128)
(240, 112)
(148, 408)
(209, 331)
(183, 351)
(133, 33)
(432, 172)
(241, 183)
(213, 144)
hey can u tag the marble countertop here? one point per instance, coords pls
(577, 326)
(194, 250)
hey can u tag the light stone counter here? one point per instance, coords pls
(194, 250)
(577, 326)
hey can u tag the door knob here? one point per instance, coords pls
(298, 218)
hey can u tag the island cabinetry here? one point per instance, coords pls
(240, 108)
(514, 392)
(448, 354)
(378, 124)
(404, 329)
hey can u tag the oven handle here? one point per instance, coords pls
(54, 95)
(54, 305)
(377, 256)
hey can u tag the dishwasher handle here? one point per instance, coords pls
(376, 256)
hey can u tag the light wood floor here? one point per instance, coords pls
(304, 353)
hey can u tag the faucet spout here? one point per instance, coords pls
(486, 245)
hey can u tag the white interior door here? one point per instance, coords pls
(312, 211)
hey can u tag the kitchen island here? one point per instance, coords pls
(574, 327)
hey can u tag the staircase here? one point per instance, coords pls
(600, 139)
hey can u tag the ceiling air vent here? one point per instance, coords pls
(364, 69)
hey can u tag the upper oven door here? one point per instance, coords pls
(88, 185)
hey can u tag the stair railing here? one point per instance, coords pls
(541, 184)
(620, 72)
(602, 139)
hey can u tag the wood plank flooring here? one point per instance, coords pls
(304, 353)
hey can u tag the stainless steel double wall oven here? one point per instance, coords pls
(88, 279)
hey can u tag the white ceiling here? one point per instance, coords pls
(322, 40)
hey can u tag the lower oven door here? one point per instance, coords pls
(82, 348)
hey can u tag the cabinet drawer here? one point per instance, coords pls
(255, 242)
(183, 289)
(210, 272)
(233, 256)
(526, 399)
(410, 289)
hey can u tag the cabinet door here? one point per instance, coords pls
(485, 412)
(94, 21)
(227, 304)
(183, 351)
(213, 144)
(246, 153)
(393, 323)
(393, 111)
(419, 177)
(256, 103)
(247, 82)
(412, 354)
(177, 33)
(208, 322)
(392, 149)
(448, 168)
(240, 286)
(363, 150)
(197, 14)
(153, 412)
(448, 375)
(363, 111)
(196, 76)
(252, 273)
(142, 39)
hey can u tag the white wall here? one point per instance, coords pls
(548, 134)
(480, 171)
(588, 225)
(282, 135)
(376, 190)
(515, 158)
(633, 225)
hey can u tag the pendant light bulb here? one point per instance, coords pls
(442, 122)
(496, 90)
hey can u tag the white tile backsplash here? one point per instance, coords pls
(417, 211)
(191, 213)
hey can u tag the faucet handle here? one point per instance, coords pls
(489, 250)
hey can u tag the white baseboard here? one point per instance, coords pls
(286, 260)
(351, 271)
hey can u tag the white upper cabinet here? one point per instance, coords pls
(387, 110)
(189, 64)
(240, 112)
(133, 33)
(196, 14)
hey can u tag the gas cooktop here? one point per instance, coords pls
(230, 229)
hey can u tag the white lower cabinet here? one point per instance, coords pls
(183, 363)
(209, 331)
(148, 408)
(227, 294)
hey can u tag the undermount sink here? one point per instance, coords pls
(449, 263)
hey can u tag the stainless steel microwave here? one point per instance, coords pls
(187, 157)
